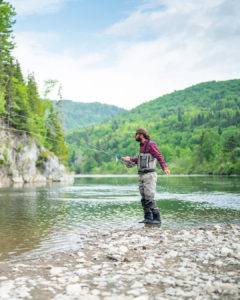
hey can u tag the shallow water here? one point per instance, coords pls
(34, 220)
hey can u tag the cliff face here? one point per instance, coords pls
(23, 161)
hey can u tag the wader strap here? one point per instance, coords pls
(145, 148)
(146, 171)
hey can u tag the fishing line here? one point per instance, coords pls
(13, 113)
(90, 146)
(117, 156)
(30, 133)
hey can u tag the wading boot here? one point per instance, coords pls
(147, 217)
(155, 220)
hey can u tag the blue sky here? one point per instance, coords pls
(78, 24)
(126, 52)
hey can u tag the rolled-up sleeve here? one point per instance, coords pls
(134, 159)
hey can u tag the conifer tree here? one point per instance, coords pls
(2, 102)
(35, 102)
(20, 110)
(7, 14)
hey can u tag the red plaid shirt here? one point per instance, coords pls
(152, 148)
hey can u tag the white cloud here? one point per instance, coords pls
(29, 7)
(176, 18)
(192, 42)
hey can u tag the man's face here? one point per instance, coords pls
(137, 137)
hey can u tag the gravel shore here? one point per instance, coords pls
(137, 263)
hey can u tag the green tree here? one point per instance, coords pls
(2, 102)
(7, 14)
(209, 145)
(19, 111)
(230, 144)
(7, 20)
(55, 137)
(35, 102)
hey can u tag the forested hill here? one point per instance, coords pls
(197, 130)
(77, 115)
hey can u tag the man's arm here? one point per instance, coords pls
(132, 159)
(157, 154)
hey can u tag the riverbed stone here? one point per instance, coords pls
(56, 271)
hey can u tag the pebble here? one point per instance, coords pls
(226, 251)
(140, 263)
(80, 254)
(56, 270)
(137, 284)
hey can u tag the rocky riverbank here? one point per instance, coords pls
(22, 160)
(144, 263)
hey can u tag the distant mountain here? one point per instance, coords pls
(197, 130)
(77, 115)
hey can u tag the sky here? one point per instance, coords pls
(127, 52)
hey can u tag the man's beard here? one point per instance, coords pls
(138, 139)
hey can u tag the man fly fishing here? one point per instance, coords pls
(146, 163)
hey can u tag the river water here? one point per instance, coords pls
(37, 219)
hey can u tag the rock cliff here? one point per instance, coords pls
(23, 161)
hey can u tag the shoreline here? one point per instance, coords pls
(69, 179)
(159, 175)
(136, 263)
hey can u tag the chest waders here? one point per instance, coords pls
(146, 162)
(147, 180)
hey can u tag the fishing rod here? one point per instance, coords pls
(128, 164)
(118, 158)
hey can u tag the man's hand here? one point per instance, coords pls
(126, 158)
(167, 172)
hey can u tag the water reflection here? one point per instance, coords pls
(37, 219)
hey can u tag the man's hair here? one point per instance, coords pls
(144, 132)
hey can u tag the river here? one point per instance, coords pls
(36, 219)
